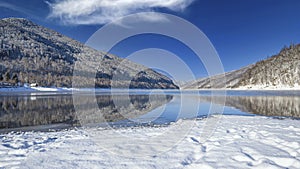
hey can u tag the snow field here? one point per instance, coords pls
(238, 142)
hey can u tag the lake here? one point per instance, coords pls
(44, 111)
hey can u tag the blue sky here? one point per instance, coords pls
(242, 31)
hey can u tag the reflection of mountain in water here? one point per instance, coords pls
(30, 111)
(116, 108)
(21, 111)
(263, 105)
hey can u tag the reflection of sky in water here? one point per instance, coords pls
(191, 107)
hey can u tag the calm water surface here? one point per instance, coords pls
(44, 111)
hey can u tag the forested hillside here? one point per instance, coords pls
(30, 53)
(279, 71)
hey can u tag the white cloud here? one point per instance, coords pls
(80, 12)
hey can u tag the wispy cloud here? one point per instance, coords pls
(14, 8)
(80, 12)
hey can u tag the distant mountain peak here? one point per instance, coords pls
(277, 72)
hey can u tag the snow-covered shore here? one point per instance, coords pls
(266, 87)
(253, 87)
(33, 89)
(237, 142)
(62, 89)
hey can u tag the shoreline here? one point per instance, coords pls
(228, 146)
(65, 89)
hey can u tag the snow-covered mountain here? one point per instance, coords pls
(227, 80)
(277, 72)
(30, 53)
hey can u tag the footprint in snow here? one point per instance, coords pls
(203, 148)
(194, 140)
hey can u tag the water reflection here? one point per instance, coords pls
(22, 111)
(116, 108)
(288, 106)
(39, 110)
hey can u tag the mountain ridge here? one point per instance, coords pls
(31, 53)
(279, 71)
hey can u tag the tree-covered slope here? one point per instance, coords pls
(279, 71)
(30, 53)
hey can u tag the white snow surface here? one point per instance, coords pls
(237, 142)
(57, 89)
(33, 89)
(269, 87)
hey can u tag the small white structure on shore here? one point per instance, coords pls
(34, 85)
